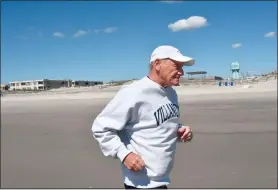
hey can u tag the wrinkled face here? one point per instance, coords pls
(169, 71)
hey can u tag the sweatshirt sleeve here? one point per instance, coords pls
(112, 119)
(176, 99)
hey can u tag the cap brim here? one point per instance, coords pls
(188, 61)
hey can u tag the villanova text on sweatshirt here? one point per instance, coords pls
(143, 118)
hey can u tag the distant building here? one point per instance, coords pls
(43, 84)
(80, 83)
(119, 82)
(203, 76)
(214, 78)
(202, 73)
(46, 84)
(4, 87)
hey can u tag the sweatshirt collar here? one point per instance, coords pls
(156, 84)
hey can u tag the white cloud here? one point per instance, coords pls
(97, 30)
(110, 30)
(192, 22)
(106, 30)
(171, 1)
(80, 33)
(58, 34)
(270, 35)
(237, 45)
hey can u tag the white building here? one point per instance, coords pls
(46, 84)
(42, 84)
(3, 86)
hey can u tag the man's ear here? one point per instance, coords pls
(157, 64)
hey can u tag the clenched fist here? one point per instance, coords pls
(134, 162)
(185, 133)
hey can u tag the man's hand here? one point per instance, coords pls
(185, 134)
(134, 162)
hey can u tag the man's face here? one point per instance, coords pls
(169, 71)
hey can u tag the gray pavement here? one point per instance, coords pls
(50, 145)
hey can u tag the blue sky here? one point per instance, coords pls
(113, 40)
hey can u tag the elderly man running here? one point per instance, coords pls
(140, 125)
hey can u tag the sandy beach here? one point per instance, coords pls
(108, 93)
(47, 142)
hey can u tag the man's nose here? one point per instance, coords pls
(181, 73)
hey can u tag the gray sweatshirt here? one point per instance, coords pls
(143, 118)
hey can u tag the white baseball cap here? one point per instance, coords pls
(165, 51)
